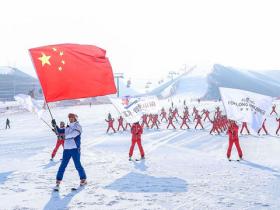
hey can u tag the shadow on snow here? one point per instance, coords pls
(58, 202)
(4, 176)
(140, 165)
(258, 166)
(136, 182)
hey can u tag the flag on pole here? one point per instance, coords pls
(127, 108)
(132, 108)
(30, 104)
(70, 71)
(245, 106)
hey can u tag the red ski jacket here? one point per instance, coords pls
(233, 132)
(136, 131)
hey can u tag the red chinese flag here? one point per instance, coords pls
(70, 71)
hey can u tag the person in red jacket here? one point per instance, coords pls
(155, 121)
(263, 127)
(206, 115)
(273, 110)
(278, 125)
(163, 115)
(186, 114)
(145, 121)
(120, 120)
(244, 125)
(136, 131)
(214, 126)
(195, 115)
(175, 114)
(198, 121)
(233, 139)
(184, 121)
(110, 122)
(60, 132)
(170, 122)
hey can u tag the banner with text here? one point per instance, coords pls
(132, 108)
(245, 106)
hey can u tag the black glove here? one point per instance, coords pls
(55, 131)
(53, 123)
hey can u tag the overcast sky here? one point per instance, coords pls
(146, 38)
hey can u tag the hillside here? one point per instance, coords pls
(193, 86)
(13, 82)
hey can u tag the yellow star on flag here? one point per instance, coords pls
(45, 59)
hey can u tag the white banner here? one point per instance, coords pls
(126, 109)
(30, 104)
(149, 105)
(132, 109)
(245, 106)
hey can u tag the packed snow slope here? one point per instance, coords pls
(264, 83)
(184, 169)
(206, 86)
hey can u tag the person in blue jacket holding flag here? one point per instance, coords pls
(72, 149)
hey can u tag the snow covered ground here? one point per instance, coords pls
(184, 169)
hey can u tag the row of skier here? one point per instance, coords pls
(218, 123)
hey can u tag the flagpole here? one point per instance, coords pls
(49, 109)
(46, 123)
(223, 102)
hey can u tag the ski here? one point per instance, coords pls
(237, 160)
(136, 159)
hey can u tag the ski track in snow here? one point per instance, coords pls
(183, 169)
